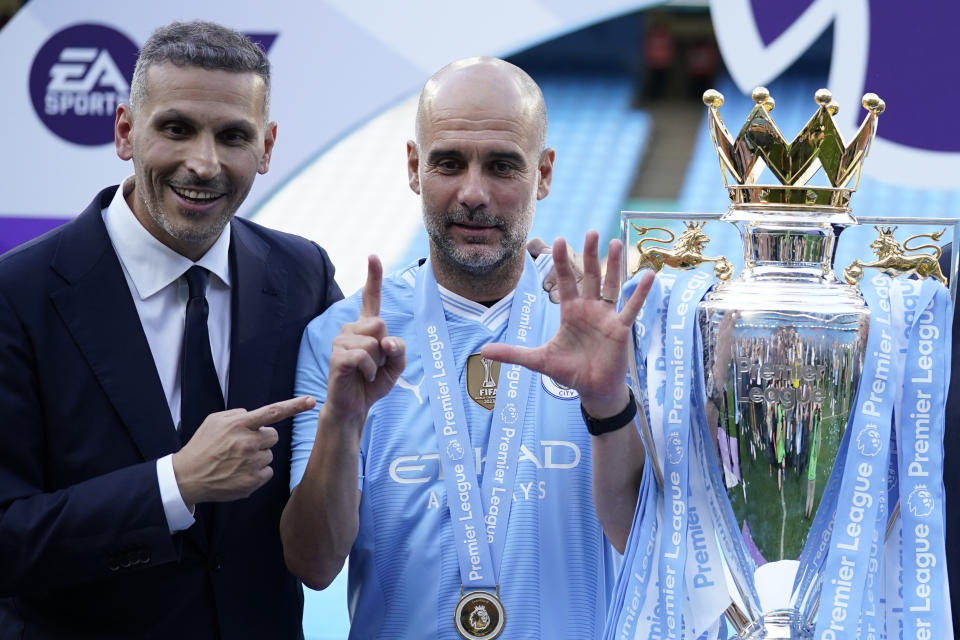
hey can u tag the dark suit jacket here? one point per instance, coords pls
(84, 545)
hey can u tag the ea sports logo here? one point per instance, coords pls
(78, 78)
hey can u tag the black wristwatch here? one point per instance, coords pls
(600, 426)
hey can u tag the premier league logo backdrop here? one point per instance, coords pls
(77, 80)
(899, 51)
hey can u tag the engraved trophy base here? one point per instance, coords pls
(780, 623)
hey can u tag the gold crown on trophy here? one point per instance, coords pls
(819, 144)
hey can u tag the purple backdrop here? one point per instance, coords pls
(14, 231)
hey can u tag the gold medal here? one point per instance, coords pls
(479, 616)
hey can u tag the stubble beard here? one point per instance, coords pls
(484, 263)
(151, 193)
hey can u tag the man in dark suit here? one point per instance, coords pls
(131, 504)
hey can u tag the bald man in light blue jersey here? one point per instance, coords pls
(475, 510)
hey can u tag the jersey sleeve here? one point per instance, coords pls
(313, 366)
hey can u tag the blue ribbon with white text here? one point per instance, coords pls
(479, 538)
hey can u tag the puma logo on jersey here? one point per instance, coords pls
(412, 388)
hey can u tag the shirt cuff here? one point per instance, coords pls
(178, 516)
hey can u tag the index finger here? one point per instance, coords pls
(370, 305)
(271, 413)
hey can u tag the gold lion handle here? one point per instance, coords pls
(686, 252)
(896, 259)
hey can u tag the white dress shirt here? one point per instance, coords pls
(154, 273)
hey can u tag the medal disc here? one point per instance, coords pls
(479, 616)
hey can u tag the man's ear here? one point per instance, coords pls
(123, 132)
(413, 166)
(545, 172)
(269, 139)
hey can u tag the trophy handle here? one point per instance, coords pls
(898, 258)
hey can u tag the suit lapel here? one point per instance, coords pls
(99, 312)
(258, 306)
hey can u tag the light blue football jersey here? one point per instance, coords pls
(404, 579)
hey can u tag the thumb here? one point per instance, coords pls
(396, 360)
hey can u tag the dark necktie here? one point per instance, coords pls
(200, 393)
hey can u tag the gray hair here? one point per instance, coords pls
(207, 45)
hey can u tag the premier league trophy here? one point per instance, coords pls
(781, 468)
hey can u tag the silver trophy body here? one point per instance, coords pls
(783, 350)
(783, 341)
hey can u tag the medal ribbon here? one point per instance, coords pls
(864, 482)
(680, 346)
(920, 423)
(479, 541)
(717, 516)
(626, 613)
(625, 617)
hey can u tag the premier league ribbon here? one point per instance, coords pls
(681, 347)
(721, 523)
(850, 577)
(479, 514)
(656, 594)
(920, 423)
(627, 616)
(864, 482)
(625, 619)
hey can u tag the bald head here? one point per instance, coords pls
(480, 166)
(483, 84)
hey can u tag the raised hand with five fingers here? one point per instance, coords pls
(589, 353)
(590, 349)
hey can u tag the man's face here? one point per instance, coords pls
(197, 142)
(480, 172)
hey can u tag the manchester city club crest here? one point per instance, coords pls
(482, 376)
(557, 390)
